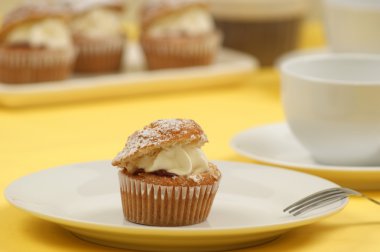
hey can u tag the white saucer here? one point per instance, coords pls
(302, 52)
(275, 144)
(84, 198)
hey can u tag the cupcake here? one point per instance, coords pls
(266, 29)
(98, 34)
(178, 34)
(165, 178)
(35, 45)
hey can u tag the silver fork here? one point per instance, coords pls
(323, 198)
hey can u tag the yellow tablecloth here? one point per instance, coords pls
(36, 138)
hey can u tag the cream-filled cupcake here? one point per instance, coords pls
(35, 45)
(264, 28)
(165, 178)
(178, 34)
(98, 34)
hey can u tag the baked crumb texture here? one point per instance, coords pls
(205, 178)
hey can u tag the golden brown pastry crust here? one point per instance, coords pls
(158, 135)
(82, 6)
(29, 14)
(152, 12)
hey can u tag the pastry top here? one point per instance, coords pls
(30, 13)
(154, 10)
(37, 26)
(157, 136)
(176, 17)
(96, 18)
(81, 6)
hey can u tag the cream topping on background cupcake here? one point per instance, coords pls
(98, 22)
(174, 17)
(191, 21)
(50, 33)
(97, 18)
(37, 26)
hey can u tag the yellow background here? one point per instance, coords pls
(36, 138)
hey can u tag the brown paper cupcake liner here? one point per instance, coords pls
(159, 205)
(19, 66)
(174, 52)
(99, 56)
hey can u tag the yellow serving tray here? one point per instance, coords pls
(230, 67)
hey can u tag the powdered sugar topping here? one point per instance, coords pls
(153, 8)
(153, 3)
(160, 132)
(85, 5)
(32, 10)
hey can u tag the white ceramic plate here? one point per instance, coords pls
(275, 144)
(84, 198)
(230, 67)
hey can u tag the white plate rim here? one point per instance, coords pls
(234, 145)
(179, 232)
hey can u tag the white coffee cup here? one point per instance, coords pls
(332, 105)
(353, 25)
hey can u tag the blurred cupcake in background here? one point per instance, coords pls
(264, 28)
(98, 34)
(178, 34)
(35, 45)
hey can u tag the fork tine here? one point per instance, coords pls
(311, 196)
(323, 198)
(317, 198)
(318, 201)
(319, 204)
(356, 193)
(370, 199)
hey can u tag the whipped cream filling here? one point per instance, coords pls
(51, 33)
(97, 22)
(179, 160)
(192, 22)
